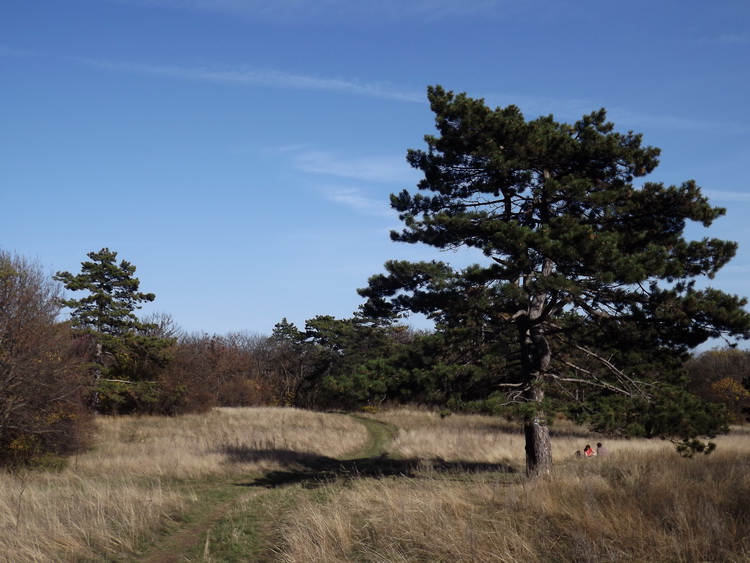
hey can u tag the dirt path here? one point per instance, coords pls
(381, 434)
(175, 545)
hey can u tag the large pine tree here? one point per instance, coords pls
(587, 265)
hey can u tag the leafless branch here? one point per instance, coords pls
(628, 386)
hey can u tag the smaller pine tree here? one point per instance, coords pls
(124, 351)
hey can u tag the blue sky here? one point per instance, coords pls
(240, 153)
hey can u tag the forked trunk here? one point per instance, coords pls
(536, 357)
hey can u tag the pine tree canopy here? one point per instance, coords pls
(584, 258)
(113, 296)
(125, 350)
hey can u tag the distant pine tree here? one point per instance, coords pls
(124, 350)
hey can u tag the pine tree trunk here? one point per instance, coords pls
(536, 356)
(99, 360)
(538, 445)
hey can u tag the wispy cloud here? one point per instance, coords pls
(11, 52)
(643, 120)
(624, 118)
(372, 169)
(245, 76)
(327, 10)
(252, 76)
(727, 196)
(573, 109)
(361, 183)
(736, 269)
(359, 200)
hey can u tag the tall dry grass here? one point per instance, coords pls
(643, 510)
(643, 503)
(137, 478)
(226, 441)
(71, 517)
(425, 434)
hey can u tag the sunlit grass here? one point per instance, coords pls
(642, 503)
(195, 446)
(137, 477)
(427, 434)
(146, 474)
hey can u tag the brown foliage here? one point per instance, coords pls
(718, 375)
(41, 386)
(206, 371)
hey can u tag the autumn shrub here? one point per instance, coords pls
(723, 376)
(207, 371)
(42, 414)
(245, 393)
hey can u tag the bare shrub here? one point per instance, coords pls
(41, 380)
(207, 371)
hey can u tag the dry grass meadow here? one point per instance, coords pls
(463, 498)
(641, 503)
(142, 474)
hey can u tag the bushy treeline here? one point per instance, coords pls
(55, 373)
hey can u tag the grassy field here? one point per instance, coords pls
(403, 485)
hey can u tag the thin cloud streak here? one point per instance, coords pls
(673, 123)
(728, 196)
(389, 170)
(729, 39)
(270, 78)
(11, 52)
(375, 170)
(291, 11)
(357, 199)
(241, 76)
(249, 76)
(574, 109)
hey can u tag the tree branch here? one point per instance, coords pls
(629, 386)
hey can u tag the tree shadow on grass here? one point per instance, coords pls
(312, 470)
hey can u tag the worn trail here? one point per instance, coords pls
(218, 498)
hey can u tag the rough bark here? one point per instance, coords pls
(536, 357)
(538, 445)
